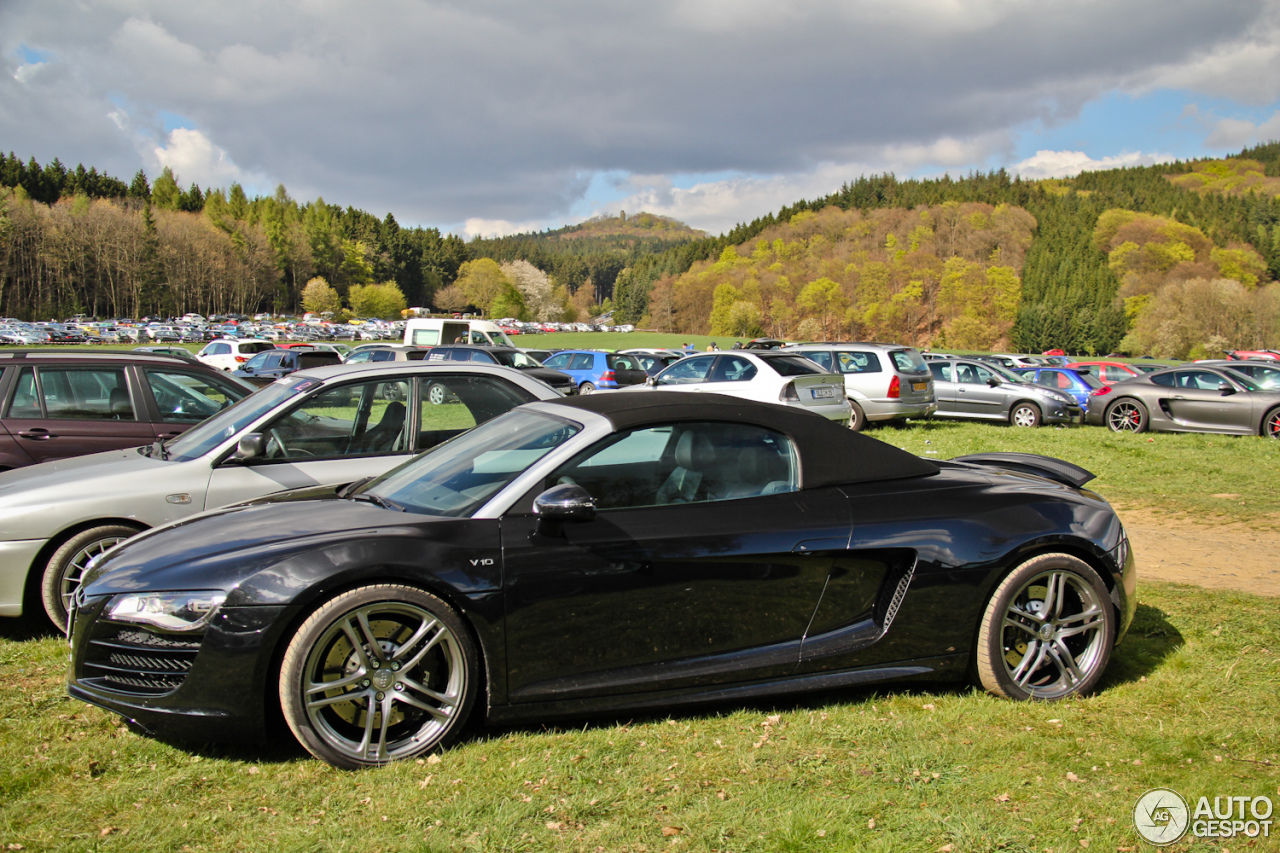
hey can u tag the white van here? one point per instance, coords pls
(434, 331)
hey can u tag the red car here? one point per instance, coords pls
(1108, 372)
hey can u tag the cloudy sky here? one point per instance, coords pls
(494, 116)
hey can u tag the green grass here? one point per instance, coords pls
(1188, 703)
(1208, 476)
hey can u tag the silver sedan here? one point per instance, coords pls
(317, 427)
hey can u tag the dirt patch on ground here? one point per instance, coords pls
(1221, 556)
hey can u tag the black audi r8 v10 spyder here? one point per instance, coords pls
(601, 553)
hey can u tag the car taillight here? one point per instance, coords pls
(895, 388)
(241, 358)
(1105, 389)
(789, 394)
(607, 376)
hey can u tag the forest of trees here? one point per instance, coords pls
(1128, 259)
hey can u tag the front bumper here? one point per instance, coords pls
(210, 686)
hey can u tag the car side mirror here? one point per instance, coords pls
(651, 381)
(246, 369)
(993, 381)
(251, 446)
(1227, 389)
(558, 505)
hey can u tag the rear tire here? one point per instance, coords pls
(1047, 631)
(1271, 424)
(65, 569)
(377, 674)
(1127, 415)
(857, 417)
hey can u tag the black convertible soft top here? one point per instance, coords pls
(830, 454)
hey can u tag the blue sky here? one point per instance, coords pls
(496, 116)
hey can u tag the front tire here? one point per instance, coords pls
(377, 674)
(1127, 415)
(1047, 631)
(586, 388)
(1025, 415)
(65, 569)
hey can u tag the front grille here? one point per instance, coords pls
(139, 662)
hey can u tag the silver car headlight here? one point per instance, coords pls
(168, 611)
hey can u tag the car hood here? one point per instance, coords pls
(74, 467)
(223, 548)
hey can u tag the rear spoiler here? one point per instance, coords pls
(1032, 463)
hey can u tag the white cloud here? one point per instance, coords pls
(195, 159)
(496, 228)
(1067, 164)
(1237, 133)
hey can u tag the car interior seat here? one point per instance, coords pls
(695, 455)
(120, 404)
(388, 434)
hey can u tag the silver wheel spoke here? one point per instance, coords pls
(440, 698)
(402, 654)
(338, 684)
(440, 712)
(1030, 663)
(1065, 662)
(1081, 623)
(373, 649)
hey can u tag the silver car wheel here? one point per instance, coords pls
(1126, 416)
(378, 674)
(1047, 632)
(65, 569)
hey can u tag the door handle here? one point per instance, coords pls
(37, 434)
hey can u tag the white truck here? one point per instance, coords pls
(433, 331)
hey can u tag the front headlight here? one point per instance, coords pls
(168, 611)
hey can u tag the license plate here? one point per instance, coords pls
(919, 386)
(823, 393)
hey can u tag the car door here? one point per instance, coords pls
(944, 389)
(975, 396)
(56, 412)
(702, 566)
(1202, 399)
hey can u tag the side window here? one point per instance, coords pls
(972, 374)
(220, 349)
(1166, 379)
(858, 362)
(382, 355)
(582, 361)
(732, 368)
(559, 361)
(351, 420)
(188, 398)
(447, 405)
(684, 463)
(821, 357)
(1064, 381)
(687, 371)
(93, 393)
(941, 371)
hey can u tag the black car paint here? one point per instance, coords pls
(840, 578)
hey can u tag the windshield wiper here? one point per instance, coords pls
(377, 500)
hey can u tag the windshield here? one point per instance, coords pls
(1006, 374)
(207, 435)
(456, 478)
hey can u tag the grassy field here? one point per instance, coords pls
(1188, 703)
